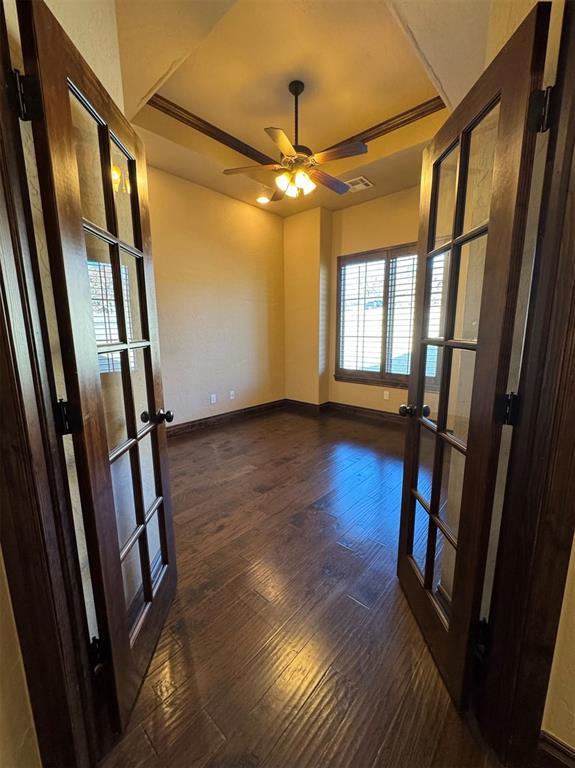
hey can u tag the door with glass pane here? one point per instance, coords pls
(93, 185)
(474, 194)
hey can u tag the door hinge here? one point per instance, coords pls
(480, 642)
(98, 654)
(539, 114)
(68, 418)
(511, 408)
(26, 96)
(507, 409)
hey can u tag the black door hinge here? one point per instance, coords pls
(68, 418)
(26, 96)
(507, 409)
(98, 654)
(540, 110)
(511, 409)
(480, 642)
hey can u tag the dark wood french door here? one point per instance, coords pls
(93, 185)
(474, 195)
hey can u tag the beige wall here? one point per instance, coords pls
(219, 287)
(307, 250)
(386, 221)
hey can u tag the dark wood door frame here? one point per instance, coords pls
(36, 533)
(539, 511)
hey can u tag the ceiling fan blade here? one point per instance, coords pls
(351, 149)
(328, 181)
(281, 140)
(247, 168)
(277, 195)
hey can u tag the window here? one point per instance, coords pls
(376, 307)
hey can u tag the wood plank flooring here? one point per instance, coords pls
(290, 644)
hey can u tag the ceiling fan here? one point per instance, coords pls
(297, 172)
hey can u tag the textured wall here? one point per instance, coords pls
(219, 286)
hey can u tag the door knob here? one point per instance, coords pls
(145, 417)
(162, 415)
(425, 411)
(407, 410)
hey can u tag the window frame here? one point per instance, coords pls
(380, 378)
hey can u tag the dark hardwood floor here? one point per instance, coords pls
(290, 644)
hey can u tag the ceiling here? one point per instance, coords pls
(359, 69)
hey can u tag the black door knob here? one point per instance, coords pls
(162, 415)
(407, 410)
(169, 417)
(425, 411)
(145, 417)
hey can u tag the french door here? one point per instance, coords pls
(474, 195)
(92, 176)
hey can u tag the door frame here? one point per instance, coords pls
(37, 523)
(539, 515)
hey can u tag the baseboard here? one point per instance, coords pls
(358, 411)
(554, 753)
(312, 409)
(175, 430)
(296, 406)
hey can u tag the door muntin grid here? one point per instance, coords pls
(125, 355)
(453, 335)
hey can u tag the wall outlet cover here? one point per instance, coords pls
(213, 399)
(232, 394)
(385, 394)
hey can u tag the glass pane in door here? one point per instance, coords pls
(124, 504)
(101, 277)
(452, 470)
(133, 582)
(436, 298)
(470, 289)
(425, 467)
(122, 190)
(130, 290)
(446, 186)
(433, 359)
(138, 368)
(86, 134)
(443, 572)
(154, 545)
(460, 391)
(146, 449)
(112, 386)
(482, 143)
(420, 531)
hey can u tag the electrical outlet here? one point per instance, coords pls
(213, 399)
(232, 394)
(385, 394)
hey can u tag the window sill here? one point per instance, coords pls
(386, 380)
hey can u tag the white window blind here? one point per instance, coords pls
(401, 307)
(376, 314)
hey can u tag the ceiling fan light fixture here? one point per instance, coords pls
(303, 182)
(292, 190)
(283, 181)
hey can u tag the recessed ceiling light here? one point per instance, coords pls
(263, 199)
